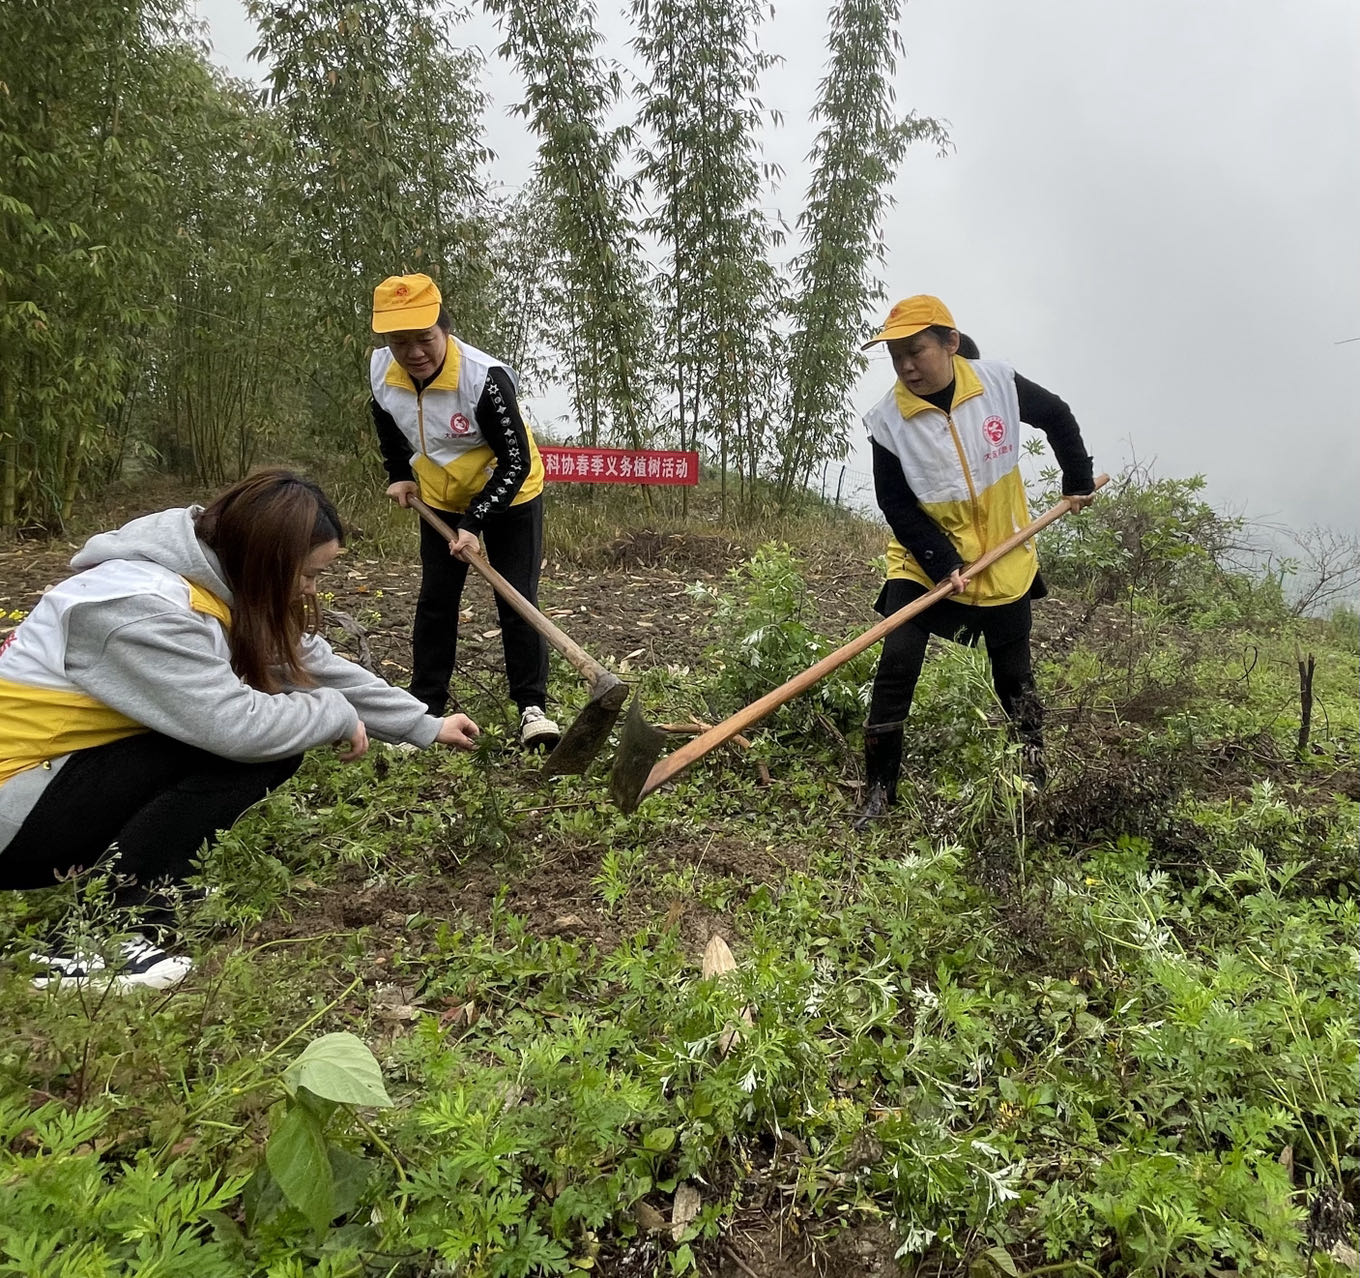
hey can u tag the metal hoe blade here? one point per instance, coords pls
(588, 732)
(640, 746)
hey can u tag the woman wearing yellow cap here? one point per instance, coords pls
(451, 433)
(946, 453)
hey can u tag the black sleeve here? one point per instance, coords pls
(1045, 411)
(396, 452)
(923, 538)
(499, 420)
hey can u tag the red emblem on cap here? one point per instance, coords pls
(995, 429)
(400, 291)
(459, 424)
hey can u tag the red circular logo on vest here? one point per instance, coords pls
(995, 429)
(459, 424)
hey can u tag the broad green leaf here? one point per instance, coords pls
(350, 1175)
(261, 1198)
(338, 1067)
(659, 1139)
(297, 1159)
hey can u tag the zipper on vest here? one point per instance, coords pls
(972, 490)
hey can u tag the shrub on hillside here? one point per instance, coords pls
(1158, 541)
(765, 634)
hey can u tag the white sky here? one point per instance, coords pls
(1152, 209)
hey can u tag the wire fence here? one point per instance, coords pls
(845, 485)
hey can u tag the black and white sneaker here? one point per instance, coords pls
(138, 965)
(536, 730)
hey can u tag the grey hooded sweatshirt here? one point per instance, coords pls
(159, 665)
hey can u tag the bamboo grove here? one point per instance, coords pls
(185, 258)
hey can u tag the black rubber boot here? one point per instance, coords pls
(1026, 713)
(1032, 765)
(882, 763)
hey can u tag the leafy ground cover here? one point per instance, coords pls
(450, 1018)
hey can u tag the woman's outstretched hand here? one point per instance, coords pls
(458, 730)
(355, 746)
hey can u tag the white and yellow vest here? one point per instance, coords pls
(964, 468)
(452, 460)
(43, 714)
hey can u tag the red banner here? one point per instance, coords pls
(619, 466)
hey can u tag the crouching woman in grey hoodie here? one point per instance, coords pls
(176, 679)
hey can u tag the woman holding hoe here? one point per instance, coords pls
(945, 442)
(451, 433)
(174, 681)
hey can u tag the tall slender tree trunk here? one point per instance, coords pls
(9, 436)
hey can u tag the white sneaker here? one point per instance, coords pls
(140, 965)
(536, 730)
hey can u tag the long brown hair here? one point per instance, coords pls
(262, 529)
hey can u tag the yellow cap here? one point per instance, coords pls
(912, 315)
(404, 303)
